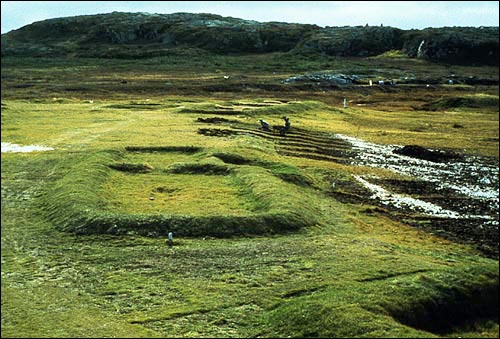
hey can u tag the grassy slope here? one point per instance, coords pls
(351, 275)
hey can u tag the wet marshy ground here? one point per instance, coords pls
(15, 148)
(448, 194)
(455, 196)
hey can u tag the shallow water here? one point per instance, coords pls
(7, 147)
(473, 177)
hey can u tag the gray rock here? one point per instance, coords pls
(338, 79)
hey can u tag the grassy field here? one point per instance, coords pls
(261, 247)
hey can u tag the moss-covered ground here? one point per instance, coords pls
(132, 152)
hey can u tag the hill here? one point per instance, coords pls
(143, 35)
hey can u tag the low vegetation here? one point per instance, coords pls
(272, 235)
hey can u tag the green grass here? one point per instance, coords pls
(219, 287)
(426, 299)
(176, 194)
(190, 199)
(260, 249)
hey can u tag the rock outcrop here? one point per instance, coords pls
(454, 45)
(352, 41)
(142, 35)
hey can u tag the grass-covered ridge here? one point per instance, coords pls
(435, 303)
(127, 151)
(87, 199)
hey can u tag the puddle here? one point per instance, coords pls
(7, 147)
(406, 202)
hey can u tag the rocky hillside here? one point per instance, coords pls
(142, 35)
